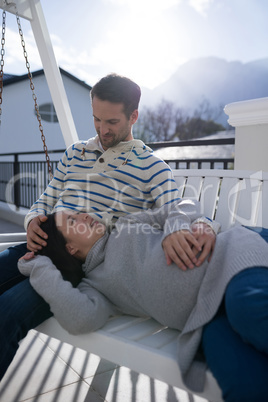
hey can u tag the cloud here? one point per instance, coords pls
(148, 5)
(14, 61)
(155, 6)
(201, 6)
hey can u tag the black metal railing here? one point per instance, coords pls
(22, 182)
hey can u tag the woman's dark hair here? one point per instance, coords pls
(118, 89)
(70, 267)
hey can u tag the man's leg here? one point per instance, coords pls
(21, 309)
(9, 273)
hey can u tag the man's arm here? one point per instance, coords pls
(185, 211)
(162, 184)
(43, 206)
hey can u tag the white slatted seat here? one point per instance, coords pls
(143, 345)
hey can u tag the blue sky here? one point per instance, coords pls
(146, 40)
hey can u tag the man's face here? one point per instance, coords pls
(111, 123)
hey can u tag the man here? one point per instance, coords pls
(111, 174)
(108, 176)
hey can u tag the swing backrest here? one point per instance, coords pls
(228, 196)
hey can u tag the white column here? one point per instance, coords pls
(250, 119)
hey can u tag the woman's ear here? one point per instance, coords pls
(71, 250)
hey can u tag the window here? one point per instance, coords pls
(48, 113)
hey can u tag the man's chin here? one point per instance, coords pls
(108, 142)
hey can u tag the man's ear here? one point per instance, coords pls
(71, 250)
(134, 116)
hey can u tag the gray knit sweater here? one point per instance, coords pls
(126, 272)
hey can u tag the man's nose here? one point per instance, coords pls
(103, 128)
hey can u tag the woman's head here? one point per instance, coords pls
(70, 237)
(70, 267)
(80, 232)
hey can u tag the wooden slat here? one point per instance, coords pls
(180, 181)
(248, 201)
(209, 196)
(227, 202)
(262, 214)
(193, 187)
(139, 330)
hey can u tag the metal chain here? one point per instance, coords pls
(34, 98)
(2, 61)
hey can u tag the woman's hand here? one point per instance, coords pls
(180, 247)
(26, 263)
(206, 238)
(28, 256)
(35, 235)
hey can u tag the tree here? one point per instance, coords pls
(167, 122)
(156, 124)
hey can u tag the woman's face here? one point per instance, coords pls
(80, 231)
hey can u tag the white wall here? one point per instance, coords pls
(19, 129)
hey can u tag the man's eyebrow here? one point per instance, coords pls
(113, 121)
(108, 120)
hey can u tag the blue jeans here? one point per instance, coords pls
(21, 308)
(235, 342)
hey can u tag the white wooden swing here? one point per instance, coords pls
(228, 196)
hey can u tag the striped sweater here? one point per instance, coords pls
(124, 179)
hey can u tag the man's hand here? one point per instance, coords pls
(206, 238)
(35, 235)
(180, 247)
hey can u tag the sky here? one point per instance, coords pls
(146, 40)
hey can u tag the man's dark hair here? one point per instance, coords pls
(70, 267)
(118, 89)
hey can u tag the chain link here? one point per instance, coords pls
(34, 98)
(2, 60)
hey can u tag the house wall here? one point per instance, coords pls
(19, 129)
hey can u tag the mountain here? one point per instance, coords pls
(213, 79)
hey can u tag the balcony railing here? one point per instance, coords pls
(22, 182)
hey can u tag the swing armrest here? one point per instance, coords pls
(11, 239)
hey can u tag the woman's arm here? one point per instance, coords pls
(78, 310)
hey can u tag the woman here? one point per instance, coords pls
(126, 272)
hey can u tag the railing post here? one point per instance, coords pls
(250, 119)
(17, 181)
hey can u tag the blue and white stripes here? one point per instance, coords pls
(124, 179)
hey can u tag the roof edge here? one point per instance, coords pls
(17, 78)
